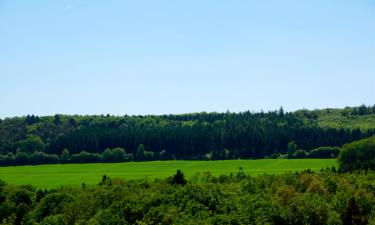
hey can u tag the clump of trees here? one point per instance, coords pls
(119, 154)
(324, 152)
(296, 153)
(305, 197)
(358, 155)
(108, 155)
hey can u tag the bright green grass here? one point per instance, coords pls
(49, 176)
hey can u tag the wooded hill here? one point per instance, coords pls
(188, 136)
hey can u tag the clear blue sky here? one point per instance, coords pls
(178, 56)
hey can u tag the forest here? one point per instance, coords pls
(320, 198)
(332, 196)
(63, 138)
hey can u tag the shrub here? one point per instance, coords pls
(358, 155)
(41, 158)
(114, 155)
(21, 158)
(324, 152)
(85, 157)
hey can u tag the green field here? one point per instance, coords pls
(49, 176)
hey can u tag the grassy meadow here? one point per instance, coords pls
(51, 176)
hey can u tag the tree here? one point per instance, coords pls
(22, 158)
(32, 119)
(72, 122)
(292, 147)
(299, 154)
(65, 156)
(208, 155)
(30, 144)
(281, 112)
(57, 119)
(351, 214)
(324, 152)
(149, 155)
(86, 157)
(41, 157)
(6, 160)
(163, 154)
(225, 153)
(358, 155)
(179, 178)
(106, 180)
(114, 155)
(241, 172)
(140, 155)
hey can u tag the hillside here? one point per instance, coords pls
(188, 136)
(361, 117)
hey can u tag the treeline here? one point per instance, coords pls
(363, 110)
(142, 154)
(186, 136)
(319, 153)
(108, 155)
(326, 197)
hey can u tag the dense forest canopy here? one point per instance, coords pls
(187, 136)
(327, 197)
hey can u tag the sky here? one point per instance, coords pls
(182, 56)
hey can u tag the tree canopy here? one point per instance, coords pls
(186, 136)
(358, 155)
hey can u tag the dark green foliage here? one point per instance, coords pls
(115, 155)
(179, 178)
(358, 155)
(292, 198)
(363, 110)
(321, 152)
(65, 156)
(21, 158)
(32, 119)
(43, 158)
(85, 157)
(351, 214)
(210, 136)
(292, 147)
(30, 144)
(7, 159)
(324, 152)
(57, 120)
(299, 154)
(21, 196)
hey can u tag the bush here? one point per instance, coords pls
(42, 158)
(21, 158)
(114, 155)
(324, 152)
(6, 160)
(358, 155)
(299, 154)
(85, 157)
(65, 156)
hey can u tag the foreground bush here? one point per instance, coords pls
(292, 198)
(358, 155)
